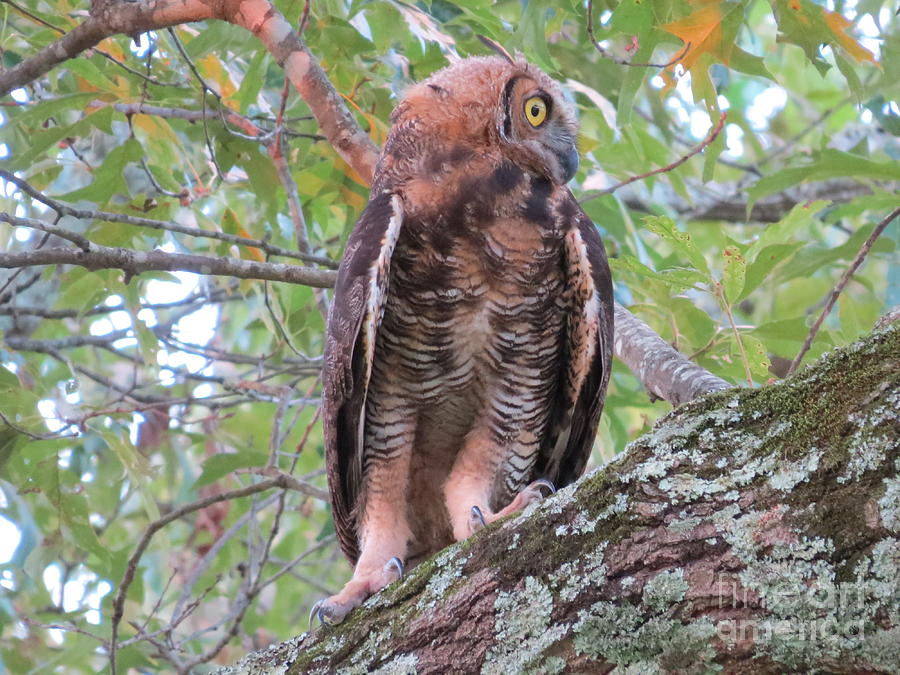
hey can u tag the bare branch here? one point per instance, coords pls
(198, 299)
(134, 262)
(663, 371)
(842, 282)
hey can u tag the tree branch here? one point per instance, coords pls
(149, 223)
(134, 262)
(665, 373)
(107, 18)
(260, 17)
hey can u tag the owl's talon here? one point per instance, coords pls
(476, 519)
(543, 482)
(395, 564)
(316, 612)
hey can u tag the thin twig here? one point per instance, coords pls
(282, 481)
(713, 134)
(137, 221)
(726, 307)
(33, 436)
(842, 282)
(625, 62)
(304, 18)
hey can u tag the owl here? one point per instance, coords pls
(469, 342)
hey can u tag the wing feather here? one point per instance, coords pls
(587, 358)
(356, 313)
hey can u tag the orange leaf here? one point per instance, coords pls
(211, 68)
(111, 47)
(702, 30)
(156, 128)
(255, 253)
(839, 25)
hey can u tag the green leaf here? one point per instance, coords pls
(39, 113)
(40, 142)
(219, 465)
(678, 278)
(109, 178)
(83, 290)
(848, 70)
(85, 69)
(733, 273)
(757, 357)
(783, 231)
(531, 35)
(695, 324)
(711, 156)
(137, 468)
(763, 264)
(682, 242)
(828, 164)
(810, 260)
(749, 64)
(248, 92)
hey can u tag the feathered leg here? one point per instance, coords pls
(384, 531)
(468, 488)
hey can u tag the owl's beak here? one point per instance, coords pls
(568, 161)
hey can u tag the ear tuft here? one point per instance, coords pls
(497, 47)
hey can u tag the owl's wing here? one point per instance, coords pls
(587, 358)
(356, 312)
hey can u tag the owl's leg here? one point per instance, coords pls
(471, 481)
(384, 531)
(468, 488)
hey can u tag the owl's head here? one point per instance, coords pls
(504, 105)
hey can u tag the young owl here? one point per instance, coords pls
(469, 343)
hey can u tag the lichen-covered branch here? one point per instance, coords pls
(750, 531)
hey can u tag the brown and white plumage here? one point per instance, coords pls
(469, 345)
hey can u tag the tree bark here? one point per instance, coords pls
(753, 530)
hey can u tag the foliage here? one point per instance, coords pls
(131, 397)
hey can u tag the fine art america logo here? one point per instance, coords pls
(805, 611)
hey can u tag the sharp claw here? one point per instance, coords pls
(477, 516)
(545, 483)
(397, 564)
(316, 611)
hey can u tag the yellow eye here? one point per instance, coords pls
(535, 111)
